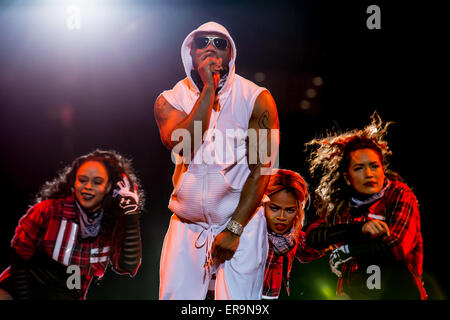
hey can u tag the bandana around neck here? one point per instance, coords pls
(356, 203)
(282, 243)
(89, 224)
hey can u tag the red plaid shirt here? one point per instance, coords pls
(52, 227)
(278, 267)
(399, 209)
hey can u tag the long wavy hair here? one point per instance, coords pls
(330, 159)
(292, 182)
(116, 165)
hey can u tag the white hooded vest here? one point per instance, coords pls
(207, 190)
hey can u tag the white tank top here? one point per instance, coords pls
(207, 190)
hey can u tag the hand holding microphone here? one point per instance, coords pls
(209, 70)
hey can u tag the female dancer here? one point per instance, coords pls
(82, 220)
(368, 215)
(286, 196)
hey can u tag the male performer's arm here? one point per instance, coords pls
(264, 116)
(169, 119)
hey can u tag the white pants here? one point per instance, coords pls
(186, 248)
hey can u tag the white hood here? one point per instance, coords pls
(186, 52)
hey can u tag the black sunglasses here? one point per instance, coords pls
(204, 41)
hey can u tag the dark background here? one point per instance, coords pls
(66, 92)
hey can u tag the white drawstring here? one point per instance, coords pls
(207, 237)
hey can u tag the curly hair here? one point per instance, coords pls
(116, 165)
(292, 182)
(330, 158)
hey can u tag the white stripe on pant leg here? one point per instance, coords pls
(69, 247)
(62, 229)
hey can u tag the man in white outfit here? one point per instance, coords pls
(218, 225)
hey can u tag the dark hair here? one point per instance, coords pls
(292, 182)
(116, 165)
(330, 159)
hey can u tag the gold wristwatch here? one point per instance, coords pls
(235, 227)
